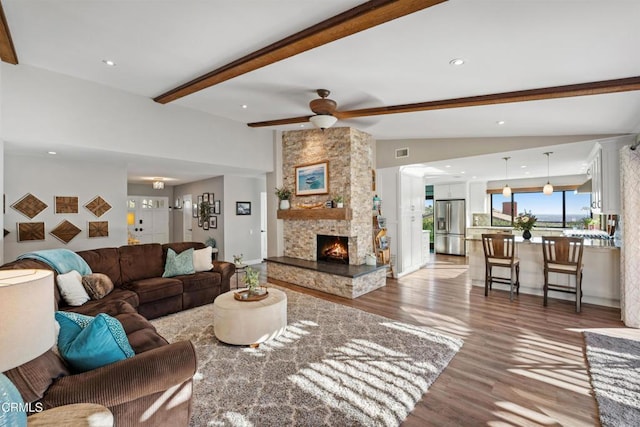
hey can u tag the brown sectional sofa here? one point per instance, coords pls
(148, 389)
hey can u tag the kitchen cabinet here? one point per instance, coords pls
(450, 191)
(604, 171)
(426, 246)
(412, 193)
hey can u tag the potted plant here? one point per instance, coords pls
(339, 200)
(252, 280)
(237, 260)
(283, 194)
(205, 211)
(525, 222)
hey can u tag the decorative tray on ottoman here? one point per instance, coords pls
(253, 296)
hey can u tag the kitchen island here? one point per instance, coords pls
(600, 282)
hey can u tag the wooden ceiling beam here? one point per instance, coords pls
(567, 91)
(360, 18)
(7, 50)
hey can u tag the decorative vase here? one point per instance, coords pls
(284, 204)
(340, 205)
(526, 234)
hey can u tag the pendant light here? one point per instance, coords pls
(548, 188)
(506, 190)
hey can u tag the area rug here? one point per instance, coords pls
(614, 367)
(334, 366)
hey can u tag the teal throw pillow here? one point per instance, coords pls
(88, 343)
(180, 264)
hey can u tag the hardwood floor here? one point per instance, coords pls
(521, 364)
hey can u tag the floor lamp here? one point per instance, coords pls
(26, 331)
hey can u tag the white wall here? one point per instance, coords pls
(242, 232)
(42, 106)
(46, 177)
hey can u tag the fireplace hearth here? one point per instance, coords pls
(332, 249)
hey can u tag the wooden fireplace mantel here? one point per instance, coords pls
(314, 214)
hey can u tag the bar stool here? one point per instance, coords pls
(563, 255)
(499, 251)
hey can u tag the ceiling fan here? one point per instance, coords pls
(327, 114)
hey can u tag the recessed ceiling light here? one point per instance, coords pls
(500, 122)
(244, 106)
(526, 173)
(523, 166)
(473, 177)
(301, 126)
(462, 172)
(456, 61)
(109, 62)
(53, 153)
(447, 166)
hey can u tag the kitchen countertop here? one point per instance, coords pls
(593, 243)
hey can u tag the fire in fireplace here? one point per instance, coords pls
(332, 248)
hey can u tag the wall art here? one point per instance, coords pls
(312, 179)
(98, 228)
(98, 206)
(243, 208)
(28, 231)
(213, 222)
(65, 204)
(29, 205)
(216, 207)
(65, 231)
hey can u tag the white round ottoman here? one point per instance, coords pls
(249, 322)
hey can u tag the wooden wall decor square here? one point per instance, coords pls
(98, 206)
(28, 231)
(98, 228)
(65, 231)
(66, 204)
(29, 205)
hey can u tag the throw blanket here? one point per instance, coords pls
(61, 260)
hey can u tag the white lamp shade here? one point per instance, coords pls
(26, 316)
(323, 121)
(506, 191)
(547, 189)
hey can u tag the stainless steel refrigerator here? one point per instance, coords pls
(450, 227)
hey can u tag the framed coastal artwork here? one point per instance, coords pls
(243, 208)
(312, 179)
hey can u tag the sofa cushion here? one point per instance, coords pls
(198, 281)
(140, 262)
(97, 285)
(71, 289)
(178, 264)
(109, 304)
(105, 261)
(145, 339)
(202, 259)
(155, 288)
(88, 343)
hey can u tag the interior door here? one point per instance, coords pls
(187, 221)
(263, 225)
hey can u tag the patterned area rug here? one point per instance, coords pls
(614, 366)
(334, 366)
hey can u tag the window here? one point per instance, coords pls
(562, 209)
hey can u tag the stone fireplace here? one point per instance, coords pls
(335, 266)
(332, 249)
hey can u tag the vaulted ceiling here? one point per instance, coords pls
(267, 58)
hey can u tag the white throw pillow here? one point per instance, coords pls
(71, 289)
(202, 259)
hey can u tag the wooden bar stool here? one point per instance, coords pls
(563, 255)
(499, 251)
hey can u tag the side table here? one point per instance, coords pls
(240, 268)
(77, 415)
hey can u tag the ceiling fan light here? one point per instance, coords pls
(158, 185)
(506, 191)
(323, 121)
(547, 189)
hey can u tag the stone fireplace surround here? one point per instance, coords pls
(349, 153)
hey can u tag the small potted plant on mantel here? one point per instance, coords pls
(339, 200)
(283, 194)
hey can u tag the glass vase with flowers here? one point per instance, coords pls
(525, 221)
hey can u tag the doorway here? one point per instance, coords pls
(187, 214)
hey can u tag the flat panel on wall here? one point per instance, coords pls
(30, 231)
